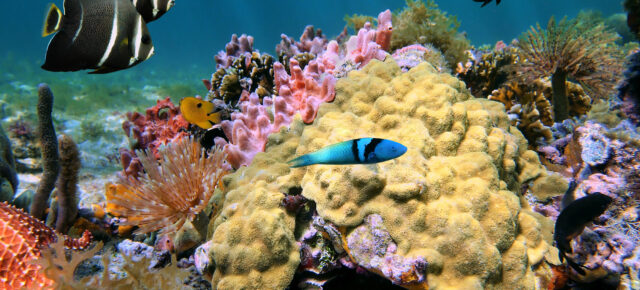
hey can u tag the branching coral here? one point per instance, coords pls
(169, 194)
(426, 24)
(568, 50)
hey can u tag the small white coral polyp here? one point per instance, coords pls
(175, 188)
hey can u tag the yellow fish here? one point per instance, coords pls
(199, 112)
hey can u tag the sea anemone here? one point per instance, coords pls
(171, 192)
(586, 54)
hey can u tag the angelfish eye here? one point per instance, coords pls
(145, 39)
(199, 105)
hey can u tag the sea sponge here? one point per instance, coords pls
(451, 200)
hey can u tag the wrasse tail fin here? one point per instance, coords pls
(301, 161)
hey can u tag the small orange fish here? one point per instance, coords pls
(199, 112)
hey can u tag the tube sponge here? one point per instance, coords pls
(67, 183)
(49, 148)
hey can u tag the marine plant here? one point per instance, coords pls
(357, 21)
(569, 50)
(424, 23)
(172, 192)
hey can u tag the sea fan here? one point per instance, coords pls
(171, 192)
(585, 54)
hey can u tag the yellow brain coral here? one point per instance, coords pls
(452, 199)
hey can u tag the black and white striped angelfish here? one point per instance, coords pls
(105, 35)
(356, 151)
(152, 9)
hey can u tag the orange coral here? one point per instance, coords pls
(170, 193)
(21, 238)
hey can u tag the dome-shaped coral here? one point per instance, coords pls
(451, 200)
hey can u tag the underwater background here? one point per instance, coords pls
(187, 40)
(488, 183)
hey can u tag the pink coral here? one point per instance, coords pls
(368, 44)
(385, 28)
(362, 48)
(247, 131)
(302, 92)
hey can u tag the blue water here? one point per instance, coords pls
(189, 35)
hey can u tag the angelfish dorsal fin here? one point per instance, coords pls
(53, 20)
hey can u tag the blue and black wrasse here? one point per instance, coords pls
(486, 2)
(356, 151)
(573, 219)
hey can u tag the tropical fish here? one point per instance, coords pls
(573, 219)
(152, 9)
(486, 2)
(356, 151)
(199, 112)
(106, 35)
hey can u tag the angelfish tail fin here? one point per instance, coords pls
(53, 20)
(301, 161)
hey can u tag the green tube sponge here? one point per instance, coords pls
(49, 148)
(67, 183)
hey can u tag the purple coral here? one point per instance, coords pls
(238, 46)
(595, 145)
(311, 41)
(372, 247)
